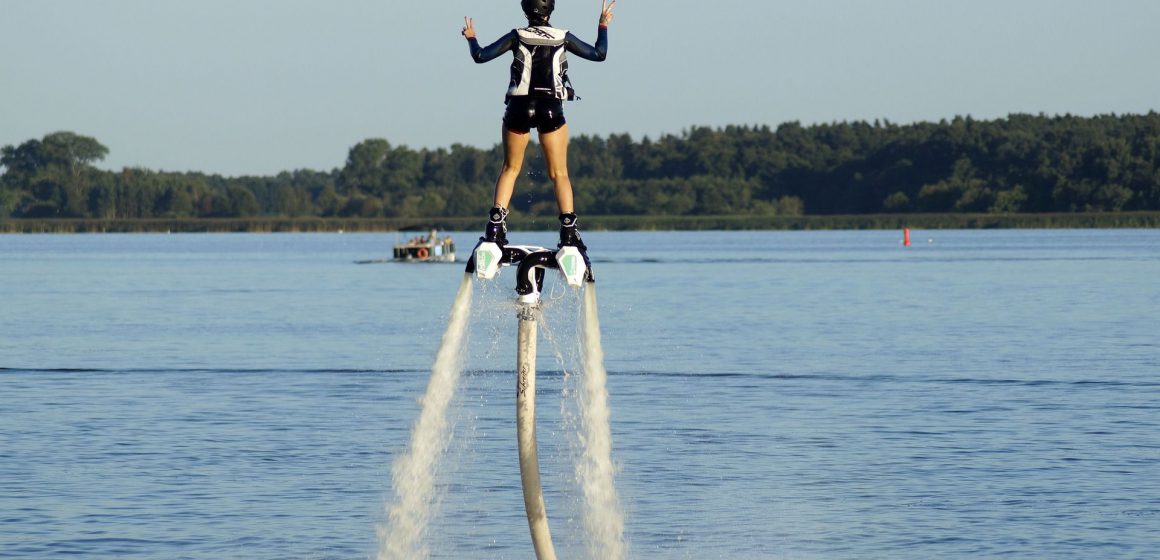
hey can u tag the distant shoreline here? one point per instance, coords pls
(595, 223)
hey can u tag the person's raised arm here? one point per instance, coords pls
(598, 52)
(483, 54)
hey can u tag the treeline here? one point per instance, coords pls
(1020, 164)
(957, 220)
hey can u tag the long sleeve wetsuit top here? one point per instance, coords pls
(539, 67)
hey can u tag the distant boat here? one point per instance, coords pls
(426, 248)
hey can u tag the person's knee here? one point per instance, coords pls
(511, 167)
(558, 174)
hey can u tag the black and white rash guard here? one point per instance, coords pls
(540, 68)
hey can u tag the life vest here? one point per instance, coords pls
(540, 67)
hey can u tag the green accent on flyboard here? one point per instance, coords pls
(485, 257)
(568, 264)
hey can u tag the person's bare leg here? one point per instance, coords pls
(514, 145)
(555, 146)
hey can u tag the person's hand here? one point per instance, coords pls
(469, 27)
(606, 11)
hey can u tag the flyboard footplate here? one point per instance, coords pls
(488, 258)
(572, 265)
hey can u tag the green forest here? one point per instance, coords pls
(1022, 164)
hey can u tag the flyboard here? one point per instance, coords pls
(485, 263)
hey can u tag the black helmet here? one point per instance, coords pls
(538, 9)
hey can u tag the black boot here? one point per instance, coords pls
(496, 230)
(569, 235)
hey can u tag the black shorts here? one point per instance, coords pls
(524, 111)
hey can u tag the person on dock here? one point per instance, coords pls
(539, 86)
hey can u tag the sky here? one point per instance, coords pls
(256, 87)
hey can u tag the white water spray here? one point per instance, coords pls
(603, 519)
(413, 473)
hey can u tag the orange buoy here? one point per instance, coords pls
(422, 252)
(906, 237)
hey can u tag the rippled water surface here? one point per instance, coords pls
(815, 395)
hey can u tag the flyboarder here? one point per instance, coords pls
(539, 86)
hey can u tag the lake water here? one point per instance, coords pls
(797, 395)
